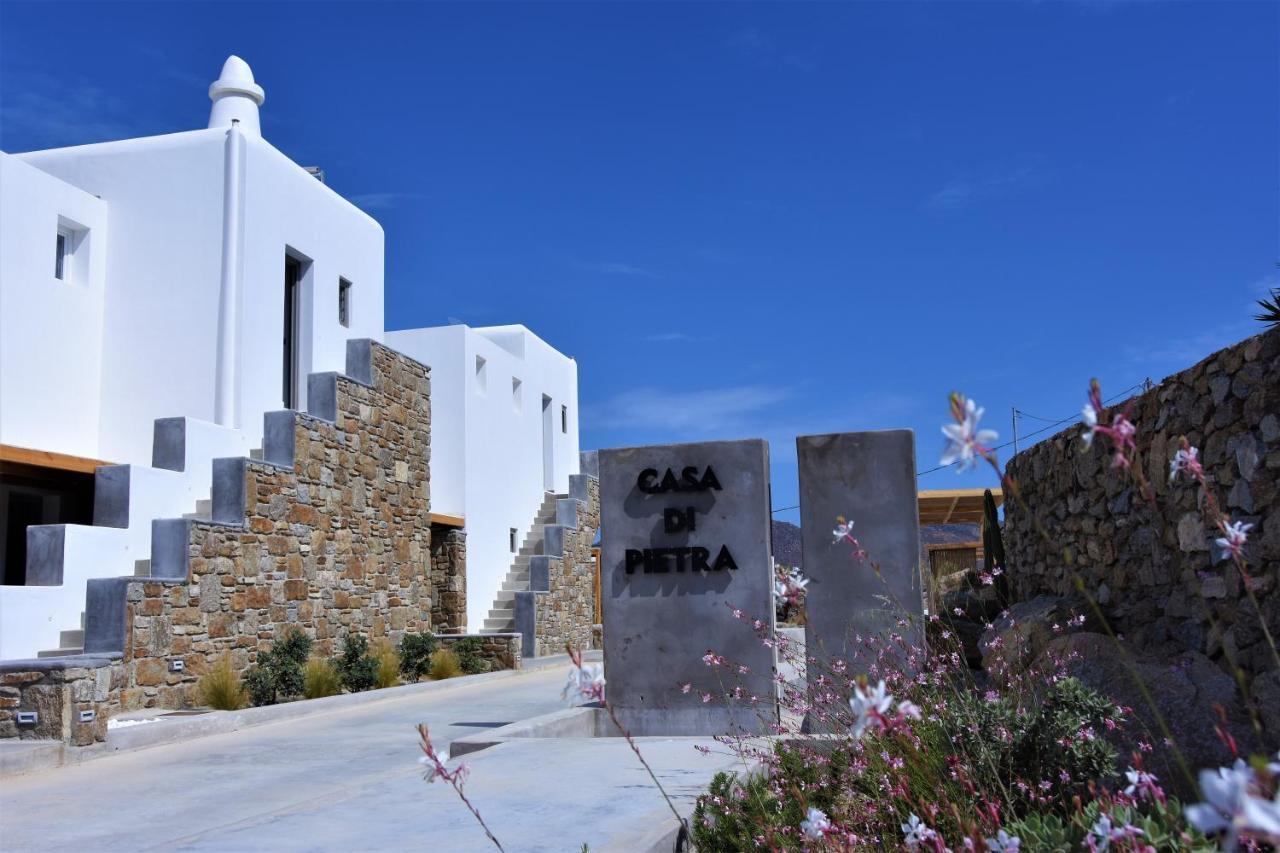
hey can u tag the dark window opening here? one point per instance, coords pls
(344, 302)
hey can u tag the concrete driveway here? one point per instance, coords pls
(349, 780)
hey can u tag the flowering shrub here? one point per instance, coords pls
(789, 584)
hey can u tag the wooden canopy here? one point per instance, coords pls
(953, 506)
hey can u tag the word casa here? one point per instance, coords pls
(688, 481)
(695, 559)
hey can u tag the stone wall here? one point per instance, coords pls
(1160, 581)
(59, 691)
(449, 579)
(565, 613)
(502, 651)
(337, 544)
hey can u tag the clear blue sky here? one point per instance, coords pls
(748, 219)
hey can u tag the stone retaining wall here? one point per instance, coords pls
(59, 690)
(1154, 569)
(502, 651)
(565, 613)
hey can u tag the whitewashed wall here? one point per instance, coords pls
(50, 329)
(159, 339)
(499, 445)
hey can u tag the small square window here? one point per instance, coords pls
(480, 373)
(564, 418)
(512, 540)
(517, 394)
(344, 302)
(62, 255)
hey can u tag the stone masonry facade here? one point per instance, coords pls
(449, 579)
(565, 613)
(1154, 570)
(338, 545)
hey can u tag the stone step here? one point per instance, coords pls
(141, 569)
(502, 613)
(61, 653)
(71, 639)
(256, 453)
(497, 627)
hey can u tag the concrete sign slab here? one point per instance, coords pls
(685, 539)
(869, 478)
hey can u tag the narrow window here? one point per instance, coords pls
(61, 253)
(564, 418)
(516, 394)
(344, 302)
(512, 537)
(480, 373)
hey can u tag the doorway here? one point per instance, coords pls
(292, 310)
(548, 451)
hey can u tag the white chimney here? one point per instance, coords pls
(236, 97)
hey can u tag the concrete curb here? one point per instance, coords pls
(27, 756)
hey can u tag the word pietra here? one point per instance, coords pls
(678, 520)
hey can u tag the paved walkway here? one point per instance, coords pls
(349, 780)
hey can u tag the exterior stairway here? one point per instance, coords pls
(71, 641)
(502, 616)
(63, 558)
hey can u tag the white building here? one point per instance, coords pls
(198, 278)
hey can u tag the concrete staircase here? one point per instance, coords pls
(62, 558)
(502, 616)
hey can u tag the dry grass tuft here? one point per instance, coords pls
(444, 664)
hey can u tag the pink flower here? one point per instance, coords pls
(1236, 535)
(686, 687)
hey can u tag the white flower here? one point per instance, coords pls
(1236, 537)
(1183, 460)
(815, 824)
(1004, 843)
(843, 529)
(1138, 781)
(1101, 832)
(1231, 804)
(869, 704)
(909, 709)
(964, 439)
(915, 833)
(585, 684)
(1089, 415)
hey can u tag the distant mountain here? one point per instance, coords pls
(786, 543)
(787, 549)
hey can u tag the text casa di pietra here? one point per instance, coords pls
(678, 520)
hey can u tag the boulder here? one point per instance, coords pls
(1020, 634)
(1186, 693)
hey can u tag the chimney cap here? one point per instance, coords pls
(236, 79)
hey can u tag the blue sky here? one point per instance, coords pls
(752, 220)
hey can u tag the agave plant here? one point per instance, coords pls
(1270, 309)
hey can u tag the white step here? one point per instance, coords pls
(142, 568)
(71, 639)
(60, 653)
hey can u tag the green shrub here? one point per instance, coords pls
(279, 672)
(356, 667)
(415, 654)
(260, 683)
(388, 663)
(1041, 740)
(444, 664)
(320, 679)
(717, 829)
(1163, 828)
(470, 652)
(220, 688)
